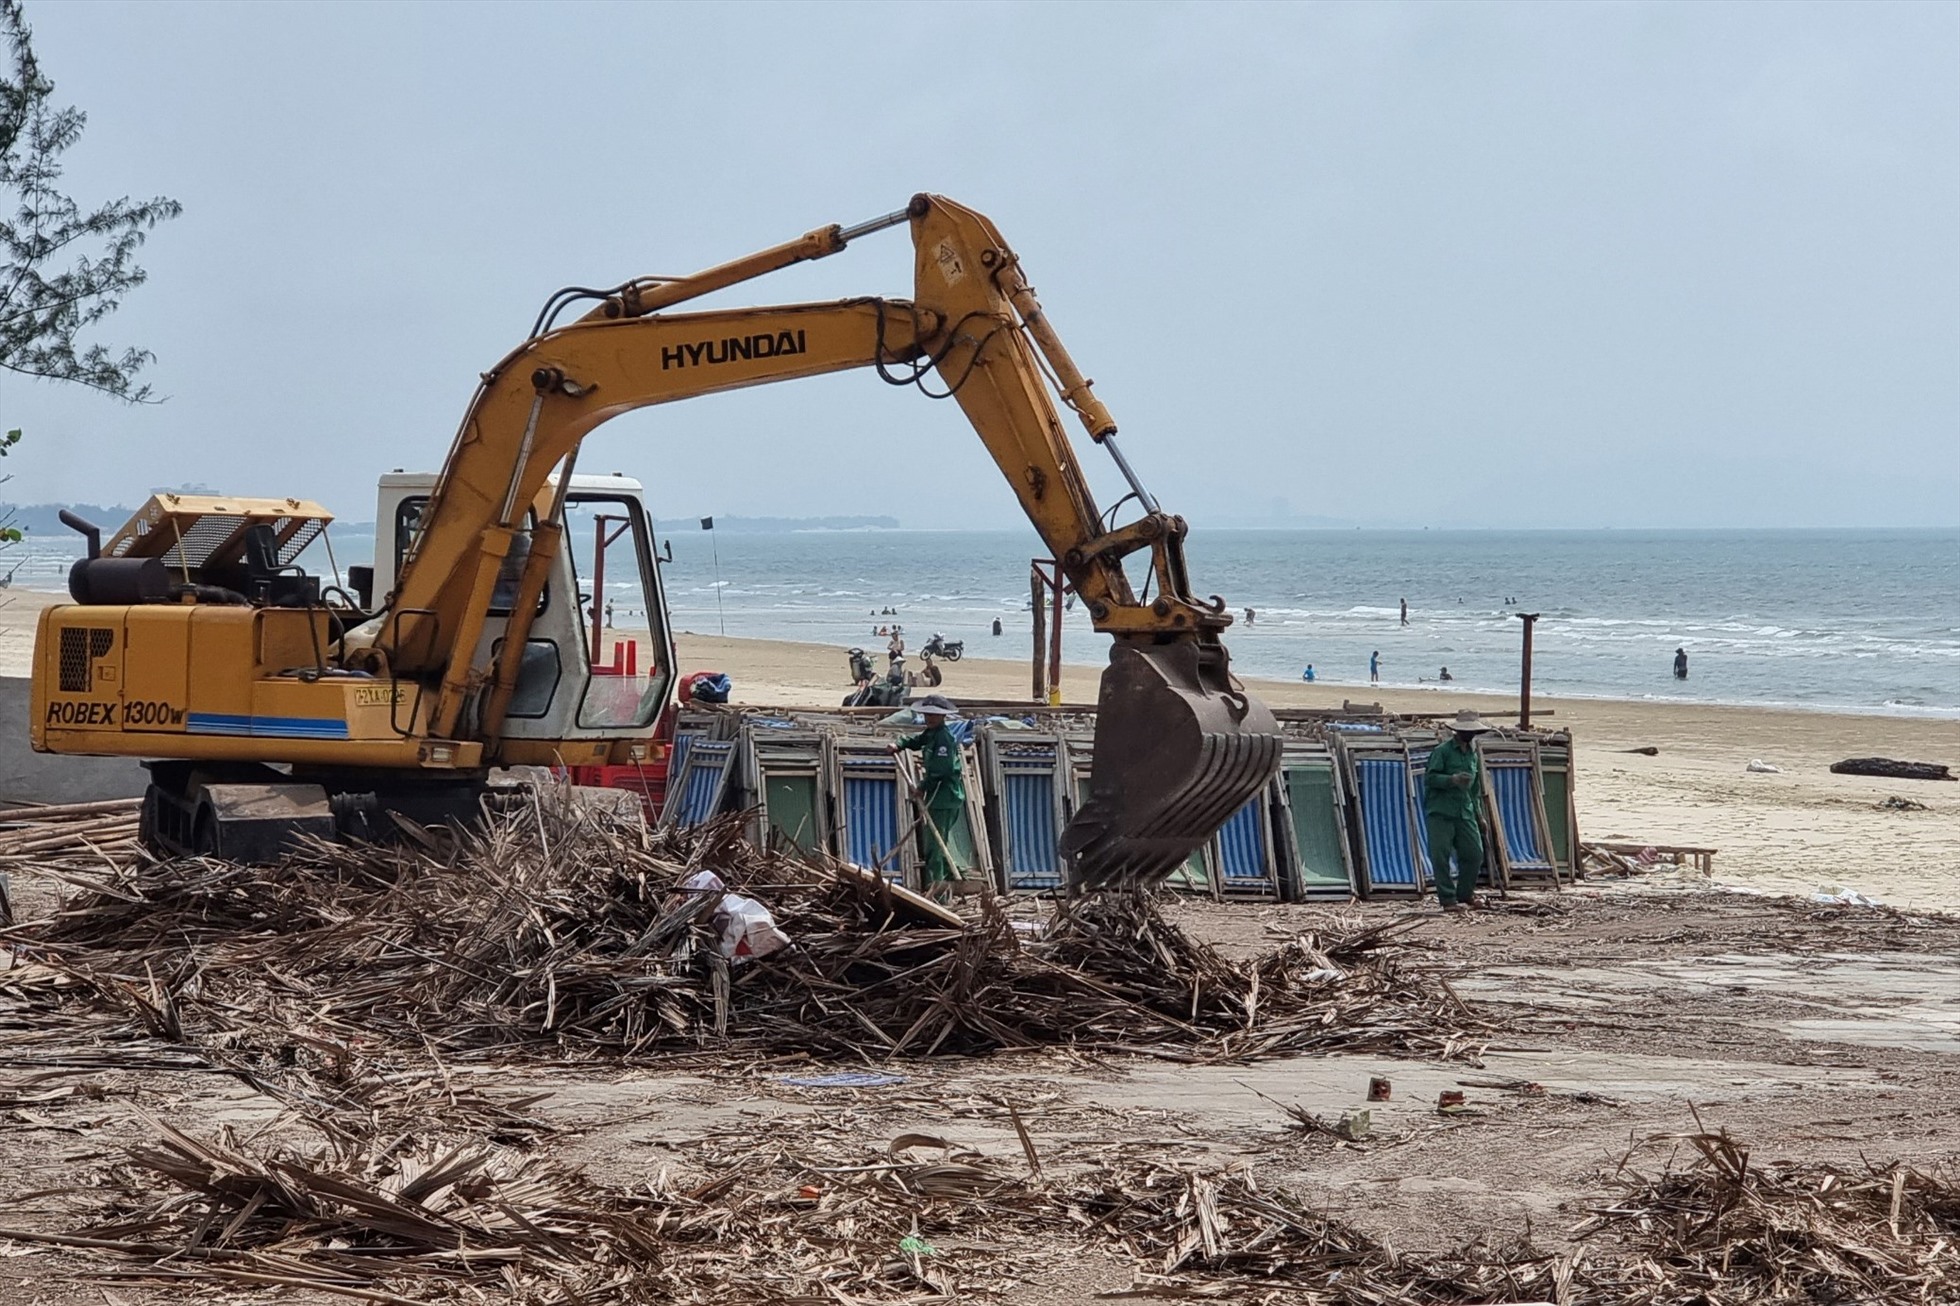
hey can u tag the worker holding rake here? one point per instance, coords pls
(944, 788)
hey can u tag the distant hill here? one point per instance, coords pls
(779, 525)
(42, 518)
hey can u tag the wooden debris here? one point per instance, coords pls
(564, 931)
(106, 826)
(1730, 1230)
(752, 1219)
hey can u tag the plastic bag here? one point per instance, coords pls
(747, 929)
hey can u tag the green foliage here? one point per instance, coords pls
(61, 270)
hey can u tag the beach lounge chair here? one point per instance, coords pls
(696, 793)
(1027, 775)
(1314, 852)
(1387, 822)
(783, 782)
(1244, 852)
(1513, 798)
(873, 812)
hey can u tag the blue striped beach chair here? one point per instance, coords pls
(1027, 776)
(1389, 835)
(1514, 798)
(1243, 851)
(695, 794)
(873, 811)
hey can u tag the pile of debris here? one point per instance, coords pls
(755, 1221)
(1725, 1229)
(575, 932)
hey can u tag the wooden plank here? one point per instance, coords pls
(902, 901)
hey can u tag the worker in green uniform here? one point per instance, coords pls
(1450, 793)
(943, 789)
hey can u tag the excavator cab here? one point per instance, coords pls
(597, 664)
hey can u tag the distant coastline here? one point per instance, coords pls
(778, 525)
(45, 519)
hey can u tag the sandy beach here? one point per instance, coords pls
(1792, 832)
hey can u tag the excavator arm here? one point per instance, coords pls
(1179, 747)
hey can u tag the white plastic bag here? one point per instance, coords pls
(747, 929)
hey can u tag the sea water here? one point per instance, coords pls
(1860, 620)
(1866, 620)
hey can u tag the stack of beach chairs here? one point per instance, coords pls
(1342, 819)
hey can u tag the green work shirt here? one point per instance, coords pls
(940, 749)
(1442, 796)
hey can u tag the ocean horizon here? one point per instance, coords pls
(1834, 619)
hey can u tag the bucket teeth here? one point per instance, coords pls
(1178, 750)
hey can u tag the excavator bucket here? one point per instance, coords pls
(1178, 749)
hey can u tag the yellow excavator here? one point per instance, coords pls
(273, 704)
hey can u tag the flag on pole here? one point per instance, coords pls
(721, 618)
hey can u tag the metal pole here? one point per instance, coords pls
(598, 586)
(1038, 604)
(1524, 685)
(1055, 645)
(600, 542)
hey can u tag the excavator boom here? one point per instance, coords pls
(1180, 746)
(431, 685)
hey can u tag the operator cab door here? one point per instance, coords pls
(623, 614)
(598, 663)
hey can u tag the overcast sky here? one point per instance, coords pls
(1452, 264)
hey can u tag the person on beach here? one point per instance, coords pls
(1375, 667)
(1307, 675)
(996, 625)
(1445, 676)
(943, 789)
(1450, 797)
(1405, 612)
(895, 648)
(1680, 664)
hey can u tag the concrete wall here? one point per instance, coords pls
(28, 776)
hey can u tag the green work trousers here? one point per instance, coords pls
(944, 815)
(1454, 838)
